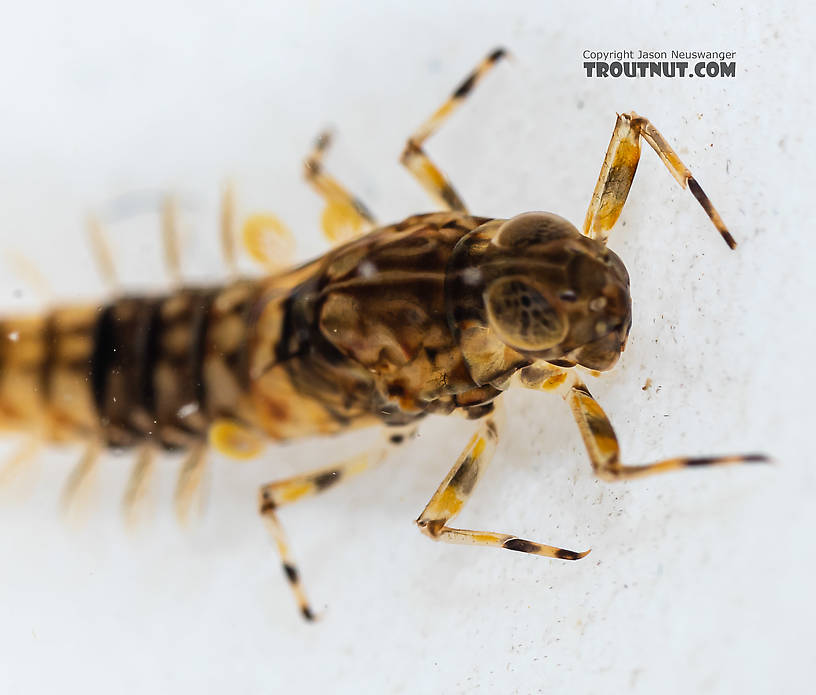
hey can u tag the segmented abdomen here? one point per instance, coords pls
(140, 368)
(357, 337)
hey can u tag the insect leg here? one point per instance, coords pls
(413, 156)
(604, 452)
(275, 495)
(541, 377)
(189, 482)
(457, 487)
(345, 215)
(618, 171)
(297, 487)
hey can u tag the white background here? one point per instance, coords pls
(697, 582)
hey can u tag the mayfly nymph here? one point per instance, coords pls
(438, 313)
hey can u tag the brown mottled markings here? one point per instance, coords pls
(563, 554)
(703, 199)
(470, 81)
(267, 503)
(465, 477)
(327, 479)
(291, 572)
(463, 89)
(132, 371)
(522, 546)
(492, 430)
(709, 460)
(600, 426)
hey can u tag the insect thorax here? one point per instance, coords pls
(363, 336)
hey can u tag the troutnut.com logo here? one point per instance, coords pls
(641, 63)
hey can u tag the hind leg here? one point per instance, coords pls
(275, 495)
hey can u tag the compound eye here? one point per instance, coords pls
(521, 316)
(533, 227)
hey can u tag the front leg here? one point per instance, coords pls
(457, 487)
(618, 172)
(602, 443)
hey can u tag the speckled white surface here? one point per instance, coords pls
(698, 582)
